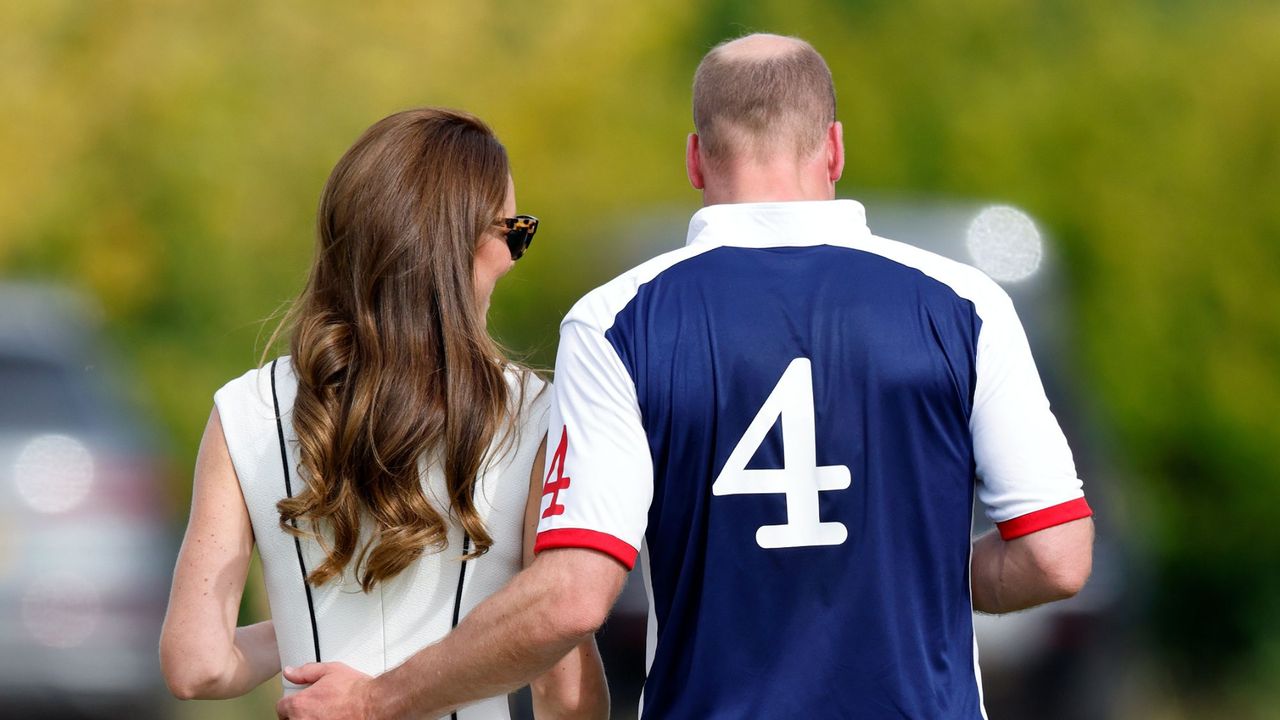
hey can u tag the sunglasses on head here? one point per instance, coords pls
(520, 230)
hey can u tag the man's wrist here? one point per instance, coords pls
(381, 697)
(390, 696)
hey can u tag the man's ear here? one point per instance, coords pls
(835, 151)
(693, 162)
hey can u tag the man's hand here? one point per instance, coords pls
(337, 692)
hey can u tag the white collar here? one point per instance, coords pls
(774, 224)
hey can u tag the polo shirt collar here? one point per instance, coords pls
(774, 224)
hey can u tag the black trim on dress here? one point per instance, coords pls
(297, 544)
(457, 599)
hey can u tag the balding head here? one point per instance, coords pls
(761, 96)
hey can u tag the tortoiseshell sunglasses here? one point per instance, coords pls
(520, 230)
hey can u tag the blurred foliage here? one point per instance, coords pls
(167, 158)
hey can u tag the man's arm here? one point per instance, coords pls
(1047, 565)
(510, 638)
(574, 687)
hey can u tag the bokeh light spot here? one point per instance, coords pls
(53, 473)
(1005, 243)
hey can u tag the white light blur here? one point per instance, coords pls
(1005, 243)
(61, 611)
(53, 473)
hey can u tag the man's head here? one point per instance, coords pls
(762, 95)
(764, 102)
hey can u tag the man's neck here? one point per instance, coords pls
(775, 182)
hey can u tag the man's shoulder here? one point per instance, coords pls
(598, 308)
(964, 280)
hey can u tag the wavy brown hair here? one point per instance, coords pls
(393, 360)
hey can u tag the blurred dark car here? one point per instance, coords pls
(1062, 661)
(86, 547)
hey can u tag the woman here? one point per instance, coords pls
(394, 459)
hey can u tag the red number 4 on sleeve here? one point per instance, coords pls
(553, 487)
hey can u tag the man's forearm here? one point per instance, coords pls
(1049, 565)
(574, 688)
(509, 639)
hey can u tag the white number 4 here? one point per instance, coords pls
(800, 478)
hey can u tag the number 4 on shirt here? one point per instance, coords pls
(800, 478)
(553, 487)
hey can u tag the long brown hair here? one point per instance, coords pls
(393, 360)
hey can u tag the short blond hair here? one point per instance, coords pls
(762, 103)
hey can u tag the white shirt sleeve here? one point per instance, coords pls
(599, 471)
(1027, 477)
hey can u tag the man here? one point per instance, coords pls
(788, 419)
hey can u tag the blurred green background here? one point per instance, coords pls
(167, 159)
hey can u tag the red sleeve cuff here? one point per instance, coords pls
(589, 539)
(1046, 518)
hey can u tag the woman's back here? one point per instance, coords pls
(375, 631)
(395, 428)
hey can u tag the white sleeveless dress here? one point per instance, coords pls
(376, 631)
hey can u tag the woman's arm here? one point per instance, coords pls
(202, 652)
(575, 687)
